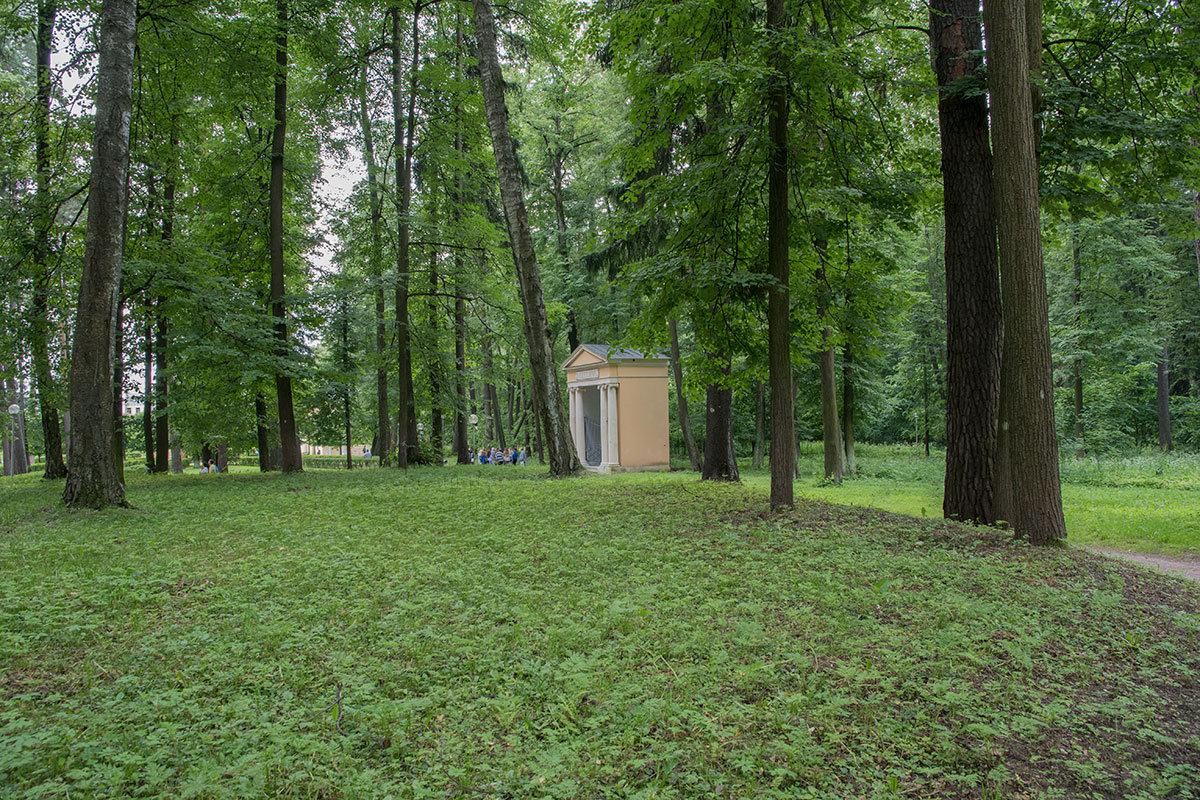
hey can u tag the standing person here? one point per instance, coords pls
(522, 456)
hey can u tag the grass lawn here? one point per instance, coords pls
(489, 633)
(1146, 504)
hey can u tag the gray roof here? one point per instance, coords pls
(608, 352)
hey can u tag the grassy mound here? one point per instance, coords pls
(482, 632)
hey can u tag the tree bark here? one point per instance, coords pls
(973, 330)
(118, 382)
(435, 365)
(830, 424)
(1163, 387)
(681, 404)
(39, 327)
(461, 445)
(1027, 395)
(408, 448)
(383, 446)
(263, 433)
(1076, 365)
(549, 402)
(779, 334)
(289, 443)
(720, 462)
(93, 481)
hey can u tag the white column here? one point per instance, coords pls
(605, 453)
(614, 440)
(576, 418)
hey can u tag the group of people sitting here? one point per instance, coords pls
(211, 466)
(495, 455)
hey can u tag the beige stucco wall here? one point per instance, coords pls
(642, 416)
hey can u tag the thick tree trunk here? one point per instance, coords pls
(779, 334)
(549, 402)
(383, 446)
(408, 446)
(289, 443)
(13, 433)
(720, 462)
(1163, 387)
(1027, 395)
(93, 480)
(972, 271)
(39, 328)
(848, 408)
(176, 455)
(263, 433)
(681, 404)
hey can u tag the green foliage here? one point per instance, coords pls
(368, 634)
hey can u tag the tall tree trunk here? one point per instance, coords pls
(176, 455)
(148, 392)
(830, 424)
(549, 402)
(383, 446)
(408, 446)
(118, 383)
(848, 408)
(972, 271)
(557, 157)
(161, 383)
(435, 365)
(289, 443)
(779, 334)
(720, 463)
(1076, 365)
(93, 480)
(685, 422)
(1163, 386)
(1027, 393)
(460, 375)
(263, 433)
(461, 445)
(39, 335)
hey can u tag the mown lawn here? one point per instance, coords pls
(1147, 504)
(486, 632)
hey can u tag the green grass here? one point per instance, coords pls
(478, 632)
(1146, 504)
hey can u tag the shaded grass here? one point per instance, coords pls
(1146, 504)
(480, 632)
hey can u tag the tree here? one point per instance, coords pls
(972, 271)
(1027, 396)
(547, 397)
(93, 480)
(39, 324)
(289, 442)
(779, 314)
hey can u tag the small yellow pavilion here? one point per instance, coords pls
(619, 417)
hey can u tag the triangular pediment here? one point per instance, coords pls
(583, 356)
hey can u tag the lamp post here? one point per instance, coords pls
(10, 466)
(474, 431)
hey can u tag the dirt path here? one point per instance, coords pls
(1188, 568)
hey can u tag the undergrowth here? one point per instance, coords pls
(476, 632)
